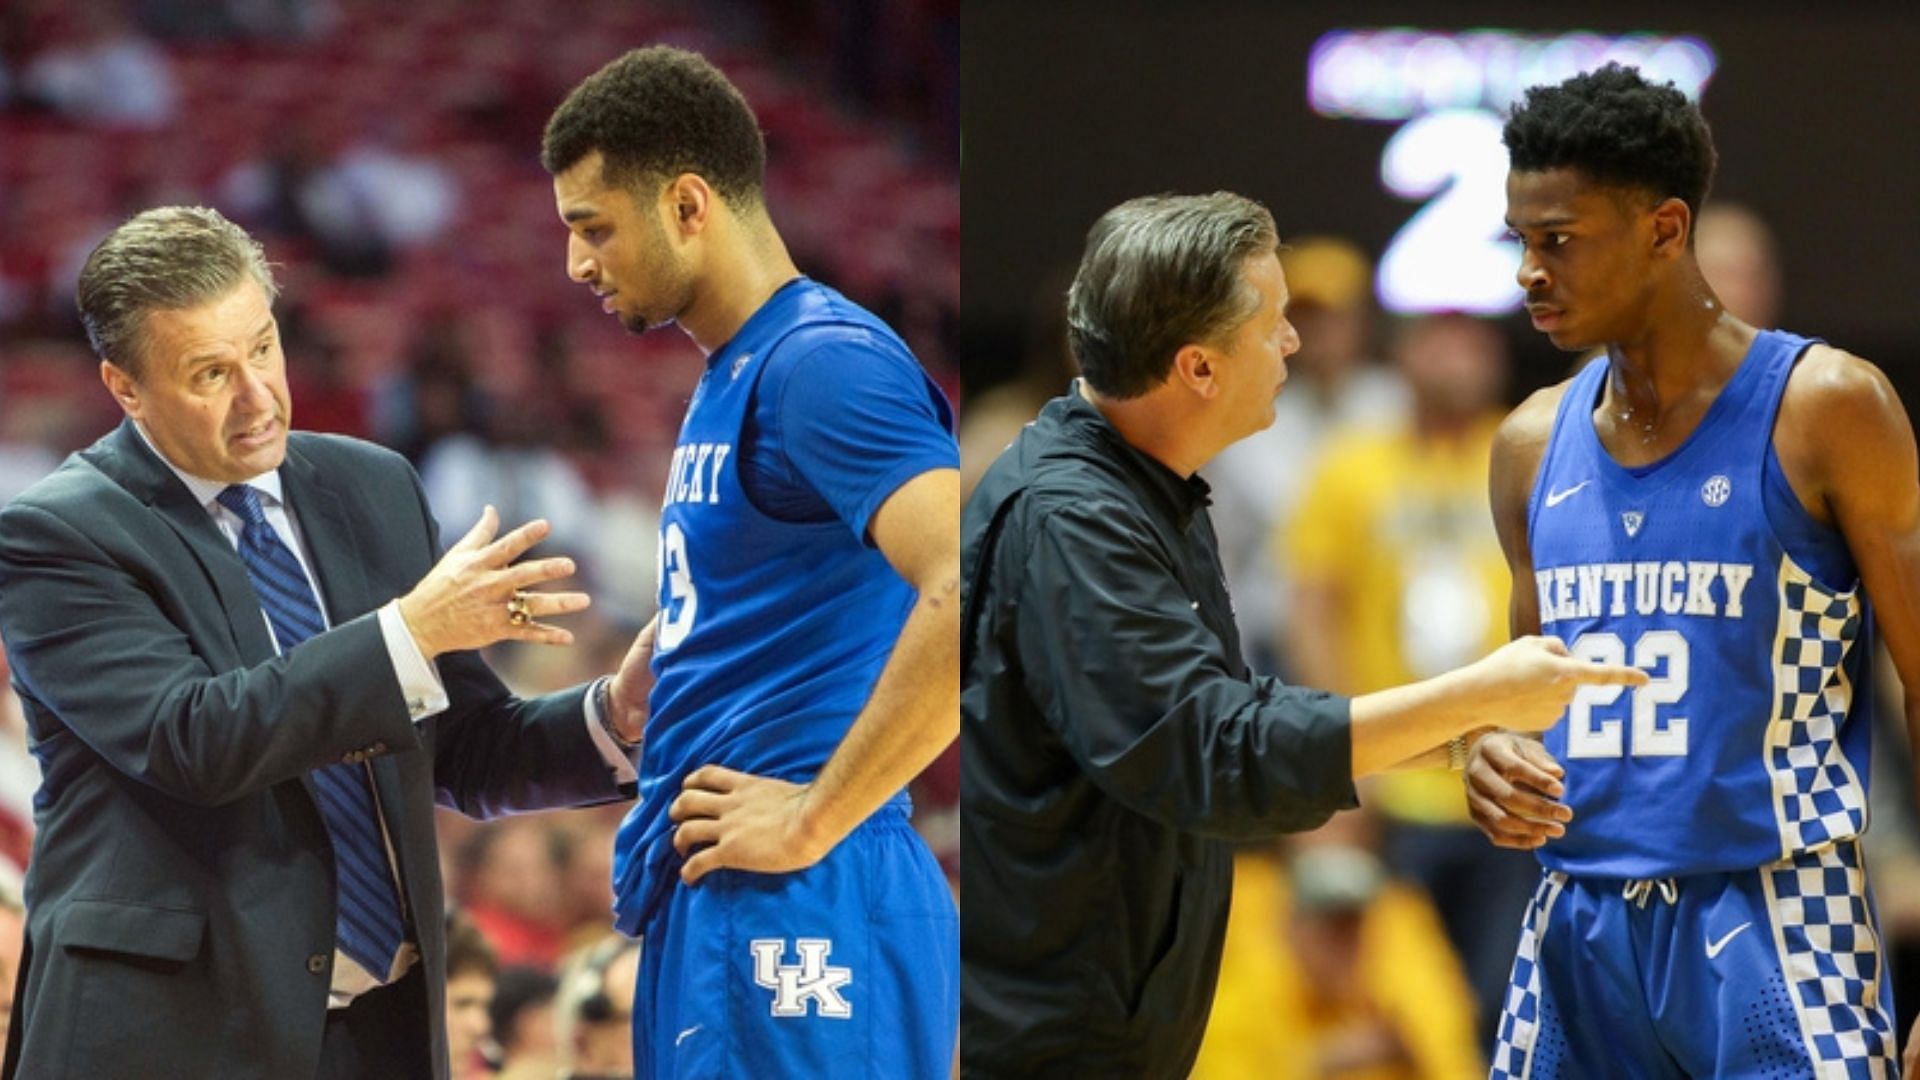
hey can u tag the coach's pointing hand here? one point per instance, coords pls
(1526, 684)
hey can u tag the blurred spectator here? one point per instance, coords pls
(522, 1017)
(264, 193)
(1739, 258)
(22, 464)
(283, 20)
(588, 876)
(1398, 576)
(594, 1009)
(1335, 970)
(511, 889)
(471, 969)
(992, 418)
(514, 471)
(101, 70)
(372, 200)
(1331, 385)
(433, 397)
(19, 778)
(936, 811)
(13, 930)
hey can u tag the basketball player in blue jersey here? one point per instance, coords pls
(1714, 504)
(806, 651)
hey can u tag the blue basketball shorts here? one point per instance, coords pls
(1775, 972)
(848, 968)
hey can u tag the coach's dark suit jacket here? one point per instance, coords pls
(181, 894)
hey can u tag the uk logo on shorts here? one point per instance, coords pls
(795, 985)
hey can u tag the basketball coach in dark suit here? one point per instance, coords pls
(248, 681)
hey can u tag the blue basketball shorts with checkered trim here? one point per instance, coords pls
(1775, 972)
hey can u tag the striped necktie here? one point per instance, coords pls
(369, 927)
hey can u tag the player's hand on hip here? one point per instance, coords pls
(1513, 785)
(467, 601)
(727, 819)
(1528, 682)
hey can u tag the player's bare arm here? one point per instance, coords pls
(1867, 485)
(731, 819)
(1512, 781)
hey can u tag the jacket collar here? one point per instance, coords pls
(1084, 425)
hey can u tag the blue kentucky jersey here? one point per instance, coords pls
(1751, 740)
(771, 633)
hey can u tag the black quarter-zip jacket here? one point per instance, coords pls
(1115, 745)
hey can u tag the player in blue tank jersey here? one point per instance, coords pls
(806, 651)
(1688, 503)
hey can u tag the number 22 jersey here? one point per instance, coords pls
(1751, 740)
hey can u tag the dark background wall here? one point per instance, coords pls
(1070, 107)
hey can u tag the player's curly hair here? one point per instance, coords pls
(656, 113)
(1618, 129)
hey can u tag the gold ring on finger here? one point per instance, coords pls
(519, 612)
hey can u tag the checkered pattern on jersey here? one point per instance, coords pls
(1817, 797)
(1520, 1017)
(1832, 960)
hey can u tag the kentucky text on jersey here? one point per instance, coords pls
(1590, 590)
(694, 475)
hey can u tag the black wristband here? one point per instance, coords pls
(603, 701)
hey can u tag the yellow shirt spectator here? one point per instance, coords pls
(1399, 576)
(1354, 990)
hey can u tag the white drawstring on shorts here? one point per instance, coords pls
(1639, 892)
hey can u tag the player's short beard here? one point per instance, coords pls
(673, 285)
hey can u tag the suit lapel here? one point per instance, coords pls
(331, 539)
(125, 457)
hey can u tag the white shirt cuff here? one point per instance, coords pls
(620, 760)
(420, 681)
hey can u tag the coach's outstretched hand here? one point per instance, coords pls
(1526, 684)
(730, 819)
(1512, 788)
(462, 602)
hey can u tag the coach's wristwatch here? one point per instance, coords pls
(1457, 753)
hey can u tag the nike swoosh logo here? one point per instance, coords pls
(1714, 947)
(1555, 498)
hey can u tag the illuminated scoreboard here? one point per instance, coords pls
(1449, 92)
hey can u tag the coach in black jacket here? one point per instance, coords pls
(182, 890)
(1113, 739)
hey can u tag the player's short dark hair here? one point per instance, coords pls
(1618, 129)
(1160, 273)
(655, 113)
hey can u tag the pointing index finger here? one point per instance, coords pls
(1606, 674)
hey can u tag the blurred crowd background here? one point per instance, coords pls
(387, 156)
(1356, 532)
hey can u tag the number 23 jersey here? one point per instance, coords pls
(1751, 740)
(777, 611)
